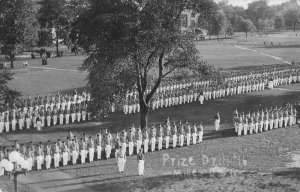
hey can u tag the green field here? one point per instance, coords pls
(266, 153)
(61, 73)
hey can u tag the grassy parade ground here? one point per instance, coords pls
(266, 161)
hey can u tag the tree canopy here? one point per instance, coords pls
(136, 44)
(18, 26)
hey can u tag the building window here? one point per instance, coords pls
(184, 21)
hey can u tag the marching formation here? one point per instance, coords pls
(264, 120)
(106, 145)
(65, 109)
(47, 111)
(235, 82)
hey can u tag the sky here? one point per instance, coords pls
(244, 3)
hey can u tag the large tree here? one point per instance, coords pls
(279, 21)
(136, 44)
(244, 25)
(54, 19)
(232, 11)
(265, 25)
(258, 10)
(219, 24)
(18, 26)
(292, 17)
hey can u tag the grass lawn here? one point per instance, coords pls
(224, 54)
(258, 161)
(61, 73)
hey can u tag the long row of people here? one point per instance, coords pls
(56, 110)
(265, 119)
(178, 93)
(65, 109)
(106, 145)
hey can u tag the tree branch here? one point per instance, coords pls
(160, 76)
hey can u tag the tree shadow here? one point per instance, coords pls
(279, 46)
(293, 173)
(225, 133)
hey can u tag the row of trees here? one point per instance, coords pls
(260, 16)
(24, 24)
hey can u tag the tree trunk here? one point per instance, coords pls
(16, 182)
(57, 54)
(144, 116)
(246, 34)
(294, 27)
(11, 56)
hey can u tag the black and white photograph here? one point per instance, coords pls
(149, 95)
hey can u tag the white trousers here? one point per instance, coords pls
(124, 147)
(141, 165)
(54, 119)
(1, 171)
(174, 141)
(160, 141)
(200, 136)
(146, 144)
(153, 142)
(130, 148)
(181, 140)
(67, 118)
(13, 124)
(217, 124)
(56, 160)
(194, 135)
(188, 139)
(28, 123)
(61, 119)
(48, 161)
(82, 156)
(1, 126)
(167, 139)
(39, 160)
(91, 154)
(138, 146)
(48, 121)
(108, 151)
(74, 157)
(121, 164)
(99, 150)
(65, 158)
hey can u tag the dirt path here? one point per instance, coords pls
(261, 53)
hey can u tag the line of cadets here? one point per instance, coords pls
(175, 93)
(265, 119)
(47, 111)
(75, 150)
(64, 109)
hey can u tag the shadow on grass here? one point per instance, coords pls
(279, 46)
(136, 183)
(70, 91)
(293, 173)
(225, 133)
